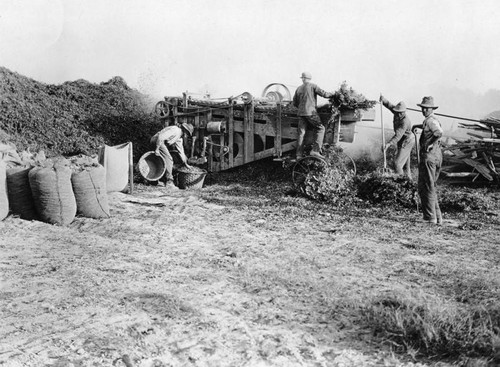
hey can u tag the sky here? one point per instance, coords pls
(404, 49)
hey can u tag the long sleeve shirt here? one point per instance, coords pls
(402, 126)
(171, 136)
(306, 96)
(431, 132)
(168, 135)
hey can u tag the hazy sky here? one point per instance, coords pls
(402, 48)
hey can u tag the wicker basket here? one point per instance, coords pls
(191, 179)
(151, 166)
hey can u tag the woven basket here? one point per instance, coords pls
(191, 179)
(151, 166)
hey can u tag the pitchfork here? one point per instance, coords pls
(385, 169)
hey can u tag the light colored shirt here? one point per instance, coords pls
(305, 98)
(431, 128)
(168, 135)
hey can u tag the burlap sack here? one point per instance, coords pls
(4, 199)
(53, 194)
(117, 161)
(20, 197)
(89, 186)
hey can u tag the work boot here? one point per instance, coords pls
(316, 154)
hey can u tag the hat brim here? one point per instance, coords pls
(187, 129)
(427, 106)
(399, 110)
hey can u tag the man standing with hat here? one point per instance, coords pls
(171, 137)
(431, 159)
(403, 137)
(305, 99)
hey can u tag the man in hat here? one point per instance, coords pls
(305, 99)
(403, 137)
(431, 159)
(170, 139)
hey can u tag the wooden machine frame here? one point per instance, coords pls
(243, 129)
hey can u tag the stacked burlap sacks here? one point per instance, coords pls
(52, 191)
(89, 186)
(19, 190)
(21, 201)
(8, 158)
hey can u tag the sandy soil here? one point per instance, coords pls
(172, 279)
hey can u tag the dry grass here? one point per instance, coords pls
(449, 307)
(247, 272)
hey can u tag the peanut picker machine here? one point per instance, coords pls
(242, 129)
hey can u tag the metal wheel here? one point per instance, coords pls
(304, 166)
(342, 161)
(162, 109)
(277, 92)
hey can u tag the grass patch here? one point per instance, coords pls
(464, 199)
(456, 315)
(435, 327)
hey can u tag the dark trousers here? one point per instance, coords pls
(428, 173)
(313, 122)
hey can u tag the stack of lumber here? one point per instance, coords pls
(477, 158)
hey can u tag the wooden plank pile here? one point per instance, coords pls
(477, 158)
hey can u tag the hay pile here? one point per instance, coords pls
(75, 117)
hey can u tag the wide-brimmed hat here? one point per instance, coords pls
(306, 75)
(400, 107)
(427, 102)
(188, 127)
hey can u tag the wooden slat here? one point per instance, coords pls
(277, 138)
(350, 116)
(264, 154)
(476, 135)
(130, 168)
(336, 134)
(230, 131)
(458, 153)
(175, 112)
(459, 174)
(287, 132)
(289, 146)
(473, 125)
(246, 134)
(481, 168)
(248, 124)
(210, 150)
(491, 140)
(223, 157)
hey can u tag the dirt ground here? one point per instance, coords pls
(179, 279)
